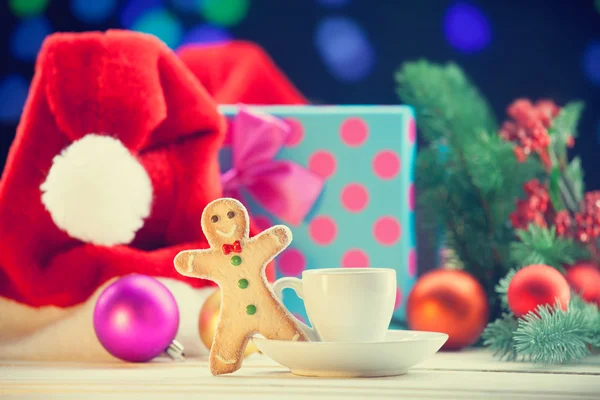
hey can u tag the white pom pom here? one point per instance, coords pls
(96, 191)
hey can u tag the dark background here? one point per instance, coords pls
(346, 51)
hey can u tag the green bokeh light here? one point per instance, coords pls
(161, 24)
(224, 12)
(26, 8)
(598, 5)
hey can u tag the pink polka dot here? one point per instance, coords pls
(262, 221)
(398, 299)
(386, 230)
(354, 131)
(355, 258)
(412, 131)
(322, 230)
(412, 262)
(386, 164)
(322, 163)
(291, 262)
(355, 197)
(411, 197)
(296, 132)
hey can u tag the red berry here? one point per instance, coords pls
(520, 154)
(529, 128)
(537, 285)
(562, 222)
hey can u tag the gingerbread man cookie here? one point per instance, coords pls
(237, 264)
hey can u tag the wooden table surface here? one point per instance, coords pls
(470, 374)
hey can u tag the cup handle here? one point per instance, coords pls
(296, 285)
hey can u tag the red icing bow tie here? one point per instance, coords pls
(236, 247)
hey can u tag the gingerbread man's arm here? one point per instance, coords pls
(197, 263)
(273, 241)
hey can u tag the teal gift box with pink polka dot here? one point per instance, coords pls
(364, 215)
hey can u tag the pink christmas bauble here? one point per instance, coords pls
(136, 318)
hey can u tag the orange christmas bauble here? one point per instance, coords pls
(449, 301)
(209, 317)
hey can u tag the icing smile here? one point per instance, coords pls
(228, 234)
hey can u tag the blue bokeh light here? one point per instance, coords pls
(162, 24)
(28, 36)
(591, 62)
(345, 49)
(13, 94)
(187, 5)
(93, 11)
(135, 8)
(466, 28)
(333, 3)
(206, 33)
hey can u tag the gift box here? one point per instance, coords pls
(353, 204)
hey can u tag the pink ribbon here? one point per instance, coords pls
(285, 189)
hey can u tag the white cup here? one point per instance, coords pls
(344, 304)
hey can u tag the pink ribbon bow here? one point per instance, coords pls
(285, 189)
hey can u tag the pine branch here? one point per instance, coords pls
(540, 245)
(560, 198)
(561, 189)
(498, 336)
(489, 219)
(502, 287)
(563, 127)
(591, 314)
(573, 177)
(553, 336)
(447, 104)
(471, 187)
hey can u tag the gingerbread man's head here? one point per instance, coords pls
(225, 221)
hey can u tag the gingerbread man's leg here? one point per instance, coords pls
(227, 351)
(281, 328)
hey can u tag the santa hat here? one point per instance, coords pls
(113, 162)
(240, 70)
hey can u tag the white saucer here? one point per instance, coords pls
(400, 351)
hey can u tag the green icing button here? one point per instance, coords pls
(243, 283)
(251, 309)
(236, 260)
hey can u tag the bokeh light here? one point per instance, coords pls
(206, 34)
(333, 3)
(135, 8)
(93, 11)
(598, 5)
(186, 5)
(27, 8)
(344, 47)
(224, 12)
(466, 28)
(13, 93)
(28, 36)
(162, 24)
(591, 62)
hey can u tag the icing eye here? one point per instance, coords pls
(230, 214)
(214, 218)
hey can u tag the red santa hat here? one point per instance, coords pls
(114, 159)
(240, 70)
